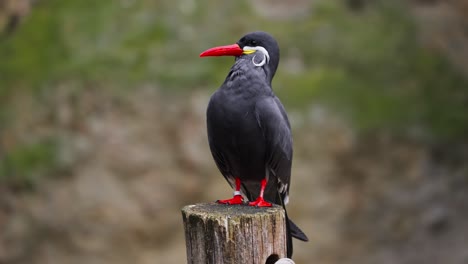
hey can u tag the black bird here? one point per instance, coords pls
(248, 129)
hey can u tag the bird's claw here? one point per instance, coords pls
(237, 199)
(260, 202)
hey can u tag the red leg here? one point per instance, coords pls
(237, 199)
(260, 202)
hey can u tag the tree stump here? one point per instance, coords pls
(222, 234)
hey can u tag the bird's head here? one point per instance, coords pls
(262, 46)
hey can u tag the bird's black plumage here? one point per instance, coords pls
(248, 129)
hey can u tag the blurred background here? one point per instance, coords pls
(103, 139)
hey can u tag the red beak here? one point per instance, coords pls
(229, 50)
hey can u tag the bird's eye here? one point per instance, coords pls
(253, 43)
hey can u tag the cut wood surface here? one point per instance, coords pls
(221, 234)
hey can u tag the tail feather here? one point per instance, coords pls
(296, 232)
(292, 230)
(289, 244)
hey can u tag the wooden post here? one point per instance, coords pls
(222, 234)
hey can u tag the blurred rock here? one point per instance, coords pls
(360, 199)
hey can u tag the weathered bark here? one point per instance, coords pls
(222, 234)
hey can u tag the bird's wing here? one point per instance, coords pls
(218, 158)
(273, 121)
(221, 162)
(213, 132)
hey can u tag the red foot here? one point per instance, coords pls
(237, 199)
(260, 203)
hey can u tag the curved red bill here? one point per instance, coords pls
(228, 50)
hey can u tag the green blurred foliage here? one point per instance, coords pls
(387, 81)
(27, 163)
(366, 63)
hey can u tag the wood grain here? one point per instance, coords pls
(222, 234)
